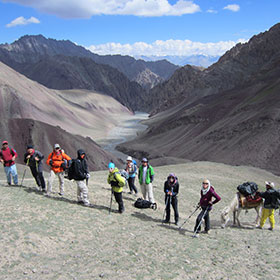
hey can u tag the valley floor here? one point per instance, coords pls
(55, 238)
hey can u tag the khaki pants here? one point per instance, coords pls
(61, 182)
(147, 192)
(82, 192)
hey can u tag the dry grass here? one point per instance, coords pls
(54, 238)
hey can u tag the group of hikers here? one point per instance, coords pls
(77, 169)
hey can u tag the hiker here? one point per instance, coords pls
(7, 158)
(131, 169)
(79, 174)
(171, 189)
(58, 162)
(271, 203)
(146, 177)
(33, 159)
(207, 192)
(117, 182)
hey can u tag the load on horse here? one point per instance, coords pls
(246, 198)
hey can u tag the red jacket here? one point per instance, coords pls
(7, 155)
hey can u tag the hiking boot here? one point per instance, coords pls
(129, 192)
(207, 231)
(259, 227)
(176, 223)
(271, 229)
(61, 193)
(165, 221)
(121, 211)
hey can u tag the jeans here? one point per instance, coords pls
(11, 171)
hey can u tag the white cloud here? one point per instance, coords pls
(22, 21)
(165, 48)
(88, 8)
(212, 11)
(233, 7)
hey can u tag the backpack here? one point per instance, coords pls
(142, 203)
(74, 170)
(124, 174)
(248, 188)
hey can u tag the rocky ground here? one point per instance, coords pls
(55, 238)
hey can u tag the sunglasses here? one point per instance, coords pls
(204, 183)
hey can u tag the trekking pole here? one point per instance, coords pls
(167, 201)
(111, 202)
(189, 217)
(24, 173)
(194, 235)
(22, 177)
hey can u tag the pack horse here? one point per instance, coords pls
(239, 203)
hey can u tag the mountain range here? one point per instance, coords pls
(65, 65)
(229, 112)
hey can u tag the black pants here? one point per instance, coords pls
(39, 178)
(206, 219)
(131, 184)
(174, 203)
(118, 197)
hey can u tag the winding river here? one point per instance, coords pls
(125, 131)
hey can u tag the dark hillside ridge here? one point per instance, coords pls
(232, 116)
(237, 67)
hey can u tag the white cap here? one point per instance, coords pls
(129, 158)
(271, 184)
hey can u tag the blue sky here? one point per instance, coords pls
(134, 27)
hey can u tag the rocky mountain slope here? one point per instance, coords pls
(31, 113)
(230, 112)
(237, 67)
(30, 49)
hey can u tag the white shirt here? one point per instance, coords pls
(144, 174)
